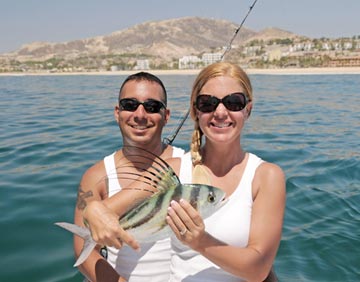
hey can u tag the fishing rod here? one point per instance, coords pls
(170, 139)
(228, 48)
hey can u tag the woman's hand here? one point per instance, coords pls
(187, 224)
(105, 228)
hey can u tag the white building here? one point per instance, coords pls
(142, 65)
(326, 46)
(209, 58)
(114, 68)
(189, 62)
(348, 45)
(251, 50)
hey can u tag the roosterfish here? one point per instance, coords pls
(146, 221)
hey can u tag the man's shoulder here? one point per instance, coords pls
(99, 166)
(177, 152)
(94, 174)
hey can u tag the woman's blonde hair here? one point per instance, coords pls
(211, 71)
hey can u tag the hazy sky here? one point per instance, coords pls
(26, 21)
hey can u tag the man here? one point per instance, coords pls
(141, 115)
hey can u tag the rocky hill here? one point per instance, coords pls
(166, 40)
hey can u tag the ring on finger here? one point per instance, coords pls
(183, 232)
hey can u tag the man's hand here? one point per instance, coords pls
(105, 228)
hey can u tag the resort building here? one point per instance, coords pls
(345, 62)
(210, 58)
(142, 65)
(189, 62)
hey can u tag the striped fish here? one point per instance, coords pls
(147, 220)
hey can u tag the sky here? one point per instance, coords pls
(26, 21)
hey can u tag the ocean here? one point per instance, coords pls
(54, 127)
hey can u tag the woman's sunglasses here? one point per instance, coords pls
(151, 106)
(234, 102)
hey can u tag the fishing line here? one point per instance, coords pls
(171, 138)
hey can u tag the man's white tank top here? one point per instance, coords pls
(230, 224)
(152, 263)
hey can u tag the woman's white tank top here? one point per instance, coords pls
(230, 224)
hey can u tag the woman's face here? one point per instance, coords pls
(222, 125)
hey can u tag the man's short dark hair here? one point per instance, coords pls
(140, 76)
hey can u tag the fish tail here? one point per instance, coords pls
(83, 232)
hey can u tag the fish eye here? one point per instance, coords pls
(211, 197)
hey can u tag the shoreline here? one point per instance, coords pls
(287, 71)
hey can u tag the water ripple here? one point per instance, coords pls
(54, 127)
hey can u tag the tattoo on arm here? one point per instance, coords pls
(81, 199)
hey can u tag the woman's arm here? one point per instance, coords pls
(253, 262)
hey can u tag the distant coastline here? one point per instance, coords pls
(285, 71)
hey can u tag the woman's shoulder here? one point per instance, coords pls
(269, 177)
(268, 169)
(265, 168)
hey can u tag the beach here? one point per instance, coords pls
(284, 71)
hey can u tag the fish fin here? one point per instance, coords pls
(151, 170)
(89, 246)
(80, 231)
(201, 175)
(83, 232)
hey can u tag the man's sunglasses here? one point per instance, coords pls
(234, 102)
(151, 106)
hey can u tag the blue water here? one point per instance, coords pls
(54, 127)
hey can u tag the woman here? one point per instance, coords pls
(240, 240)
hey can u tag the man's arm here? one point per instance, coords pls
(93, 187)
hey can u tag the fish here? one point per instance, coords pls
(146, 221)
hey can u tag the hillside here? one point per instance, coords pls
(165, 40)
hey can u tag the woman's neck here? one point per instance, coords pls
(220, 159)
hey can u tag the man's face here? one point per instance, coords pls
(139, 127)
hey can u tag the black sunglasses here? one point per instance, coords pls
(233, 102)
(151, 106)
